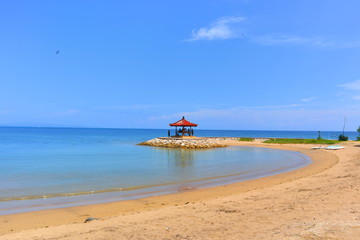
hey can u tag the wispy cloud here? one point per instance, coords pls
(220, 29)
(282, 39)
(306, 100)
(319, 42)
(222, 112)
(337, 44)
(292, 116)
(353, 89)
(228, 27)
(355, 85)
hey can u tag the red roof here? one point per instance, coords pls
(183, 123)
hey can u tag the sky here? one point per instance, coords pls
(224, 64)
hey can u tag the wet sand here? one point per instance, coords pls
(319, 201)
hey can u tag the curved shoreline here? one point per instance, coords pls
(321, 161)
(206, 182)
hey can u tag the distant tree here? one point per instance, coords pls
(358, 138)
(342, 136)
(319, 137)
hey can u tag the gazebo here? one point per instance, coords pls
(185, 127)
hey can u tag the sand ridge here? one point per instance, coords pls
(320, 201)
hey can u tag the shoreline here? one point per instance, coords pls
(322, 160)
(45, 202)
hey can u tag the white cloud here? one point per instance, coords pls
(281, 39)
(228, 112)
(269, 40)
(337, 45)
(355, 85)
(221, 29)
(352, 87)
(225, 28)
(306, 100)
(285, 117)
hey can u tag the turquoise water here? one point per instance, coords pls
(58, 167)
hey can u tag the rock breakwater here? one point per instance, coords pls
(185, 142)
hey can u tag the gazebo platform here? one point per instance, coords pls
(181, 137)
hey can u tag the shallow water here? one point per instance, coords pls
(58, 167)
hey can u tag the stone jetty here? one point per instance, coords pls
(194, 142)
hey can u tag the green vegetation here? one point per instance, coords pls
(342, 137)
(358, 130)
(243, 139)
(302, 141)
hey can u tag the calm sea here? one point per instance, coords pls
(45, 168)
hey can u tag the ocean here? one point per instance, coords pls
(43, 168)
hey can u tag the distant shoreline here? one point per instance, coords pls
(162, 132)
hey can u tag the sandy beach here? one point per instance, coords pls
(319, 201)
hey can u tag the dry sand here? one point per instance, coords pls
(319, 201)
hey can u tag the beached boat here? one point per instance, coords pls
(329, 147)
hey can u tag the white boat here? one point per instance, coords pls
(334, 147)
(319, 147)
(329, 147)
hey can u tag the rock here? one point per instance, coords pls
(185, 143)
(89, 219)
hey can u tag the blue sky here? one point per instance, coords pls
(231, 64)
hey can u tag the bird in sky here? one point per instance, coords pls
(57, 52)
